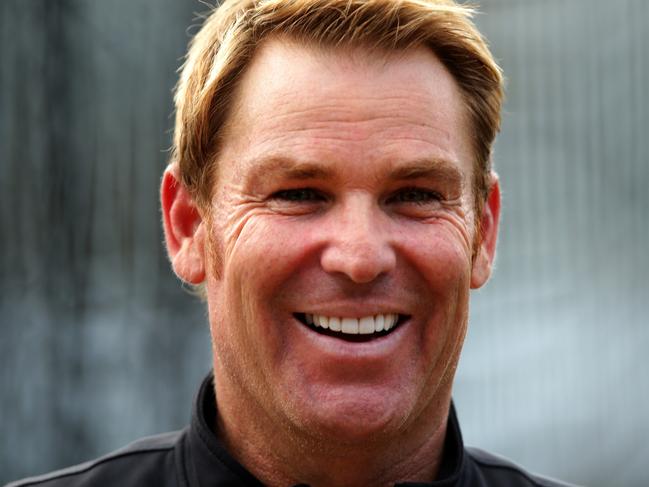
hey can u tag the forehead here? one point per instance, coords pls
(325, 104)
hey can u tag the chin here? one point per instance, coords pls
(358, 417)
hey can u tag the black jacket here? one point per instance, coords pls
(194, 457)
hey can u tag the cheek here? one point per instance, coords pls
(239, 316)
(442, 259)
(264, 255)
(448, 273)
(256, 269)
(441, 252)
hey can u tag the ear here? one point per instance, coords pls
(486, 252)
(183, 227)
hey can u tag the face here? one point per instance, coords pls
(339, 247)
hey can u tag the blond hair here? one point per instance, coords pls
(223, 48)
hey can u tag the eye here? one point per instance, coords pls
(299, 195)
(418, 196)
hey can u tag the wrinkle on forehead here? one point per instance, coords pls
(315, 139)
(322, 123)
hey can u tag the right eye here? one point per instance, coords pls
(299, 195)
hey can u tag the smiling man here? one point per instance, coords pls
(331, 193)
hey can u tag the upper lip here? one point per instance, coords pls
(350, 309)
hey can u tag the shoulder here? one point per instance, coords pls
(148, 461)
(500, 471)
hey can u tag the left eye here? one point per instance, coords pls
(414, 195)
(299, 194)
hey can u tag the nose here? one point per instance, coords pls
(358, 243)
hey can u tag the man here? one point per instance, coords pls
(331, 194)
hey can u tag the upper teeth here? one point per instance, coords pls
(354, 326)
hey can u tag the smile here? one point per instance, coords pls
(346, 328)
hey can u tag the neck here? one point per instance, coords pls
(280, 454)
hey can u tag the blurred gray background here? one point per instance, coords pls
(100, 345)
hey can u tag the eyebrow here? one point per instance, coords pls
(438, 169)
(286, 168)
(283, 167)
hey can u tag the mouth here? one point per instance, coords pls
(360, 329)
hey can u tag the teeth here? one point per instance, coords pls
(366, 325)
(323, 321)
(335, 324)
(354, 326)
(350, 326)
(379, 322)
